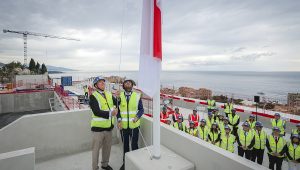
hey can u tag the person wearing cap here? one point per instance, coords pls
(164, 116)
(260, 143)
(220, 120)
(228, 107)
(215, 113)
(234, 121)
(293, 152)
(278, 122)
(227, 140)
(211, 104)
(245, 141)
(297, 130)
(203, 130)
(131, 110)
(103, 106)
(180, 125)
(214, 135)
(193, 129)
(225, 123)
(251, 121)
(194, 117)
(176, 114)
(276, 146)
(209, 120)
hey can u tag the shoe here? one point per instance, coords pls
(107, 167)
(122, 167)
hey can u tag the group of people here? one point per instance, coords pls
(126, 107)
(222, 129)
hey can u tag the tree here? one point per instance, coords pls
(44, 69)
(32, 65)
(37, 67)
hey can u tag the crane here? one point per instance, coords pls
(26, 33)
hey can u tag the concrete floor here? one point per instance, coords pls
(81, 161)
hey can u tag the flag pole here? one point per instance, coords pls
(156, 122)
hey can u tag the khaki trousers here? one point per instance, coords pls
(101, 140)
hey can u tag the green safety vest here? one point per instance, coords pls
(252, 125)
(233, 120)
(209, 122)
(210, 104)
(193, 132)
(176, 125)
(129, 110)
(245, 139)
(260, 139)
(85, 90)
(276, 147)
(294, 152)
(227, 143)
(295, 131)
(203, 133)
(280, 123)
(228, 108)
(213, 136)
(105, 105)
(222, 128)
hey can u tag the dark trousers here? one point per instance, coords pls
(257, 154)
(234, 131)
(275, 160)
(247, 153)
(127, 136)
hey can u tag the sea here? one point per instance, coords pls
(272, 86)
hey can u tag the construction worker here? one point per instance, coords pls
(86, 93)
(245, 140)
(131, 110)
(251, 121)
(225, 123)
(234, 121)
(293, 152)
(164, 116)
(103, 106)
(297, 130)
(193, 129)
(214, 135)
(228, 107)
(194, 117)
(209, 120)
(215, 113)
(180, 125)
(260, 143)
(176, 114)
(278, 122)
(276, 146)
(220, 120)
(211, 104)
(227, 140)
(203, 130)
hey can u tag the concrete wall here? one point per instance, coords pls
(21, 159)
(20, 102)
(52, 134)
(202, 154)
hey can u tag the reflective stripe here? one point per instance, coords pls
(100, 119)
(130, 112)
(126, 119)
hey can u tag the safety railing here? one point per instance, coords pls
(70, 102)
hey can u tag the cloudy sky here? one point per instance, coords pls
(256, 35)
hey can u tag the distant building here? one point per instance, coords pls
(294, 102)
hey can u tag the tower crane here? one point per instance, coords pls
(26, 33)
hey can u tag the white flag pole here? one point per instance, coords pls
(156, 122)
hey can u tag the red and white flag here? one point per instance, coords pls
(150, 48)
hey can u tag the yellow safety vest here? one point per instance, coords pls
(85, 90)
(294, 152)
(129, 110)
(228, 108)
(276, 147)
(105, 105)
(280, 123)
(203, 133)
(227, 143)
(176, 125)
(260, 139)
(210, 104)
(252, 125)
(193, 132)
(222, 128)
(209, 122)
(295, 131)
(233, 120)
(245, 139)
(213, 136)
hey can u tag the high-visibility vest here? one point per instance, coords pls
(105, 105)
(276, 147)
(233, 120)
(222, 128)
(245, 139)
(210, 104)
(280, 123)
(252, 125)
(295, 131)
(195, 119)
(228, 108)
(164, 117)
(202, 133)
(176, 115)
(176, 125)
(213, 137)
(129, 110)
(193, 131)
(260, 139)
(294, 152)
(85, 90)
(227, 142)
(209, 122)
